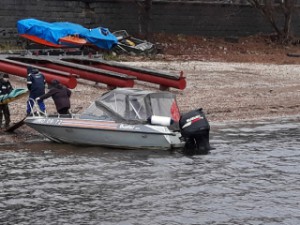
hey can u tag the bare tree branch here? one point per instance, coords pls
(272, 10)
(144, 16)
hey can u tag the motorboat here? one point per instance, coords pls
(126, 118)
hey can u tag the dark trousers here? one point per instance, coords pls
(4, 110)
(30, 104)
(64, 111)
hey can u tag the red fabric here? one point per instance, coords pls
(175, 112)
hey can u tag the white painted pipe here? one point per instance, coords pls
(161, 120)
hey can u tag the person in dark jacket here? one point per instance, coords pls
(60, 95)
(5, 88)
(36, 86)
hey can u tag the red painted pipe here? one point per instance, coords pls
(20, 69)
(147, 75)
(179, 84)
(93, 76)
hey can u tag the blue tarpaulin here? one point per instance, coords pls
(52, 32)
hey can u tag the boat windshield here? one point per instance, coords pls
(115, 102)
(94, 113)
(128, 107)
(137, 108)
(134, 105)
(142, 107)
(165, 106)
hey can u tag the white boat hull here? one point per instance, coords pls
(105, 133)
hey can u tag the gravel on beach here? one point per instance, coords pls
(226, 91)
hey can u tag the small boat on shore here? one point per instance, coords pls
(128, 118)
(65, 34)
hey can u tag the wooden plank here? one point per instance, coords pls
(15, 126)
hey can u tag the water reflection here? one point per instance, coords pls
(252, 177)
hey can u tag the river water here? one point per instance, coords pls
(251, 177)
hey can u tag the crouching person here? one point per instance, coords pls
(60, 95)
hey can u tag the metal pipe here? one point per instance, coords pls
(20, 69)
(179, 83)
(112, 81)
(148, 75)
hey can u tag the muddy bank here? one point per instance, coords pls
(226, 91)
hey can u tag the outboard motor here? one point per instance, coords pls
(194, 129)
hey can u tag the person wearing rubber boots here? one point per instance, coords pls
(36, 85)
(5, 88)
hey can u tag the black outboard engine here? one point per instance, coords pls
(194, 129)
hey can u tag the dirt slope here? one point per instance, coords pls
(258, 49)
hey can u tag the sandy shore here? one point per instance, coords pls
(236, 91)
(226, 91)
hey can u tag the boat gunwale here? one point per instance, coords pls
(98, 128)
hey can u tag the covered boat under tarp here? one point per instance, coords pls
(57, 34)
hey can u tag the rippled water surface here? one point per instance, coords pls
(252, 177)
